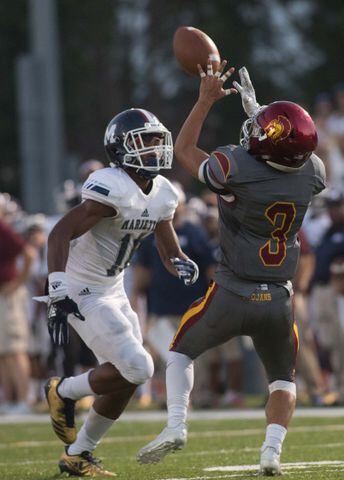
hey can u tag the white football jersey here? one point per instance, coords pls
(101, 254)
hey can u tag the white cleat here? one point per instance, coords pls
(168, 441)
(269, 462)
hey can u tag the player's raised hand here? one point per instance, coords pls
(212, 83)
(247, 92)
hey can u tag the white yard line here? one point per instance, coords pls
(209, 434)
(226, 451)
(199, 453)
(160, 416)
(28, 462)
(286, 467)
(207, 477)
(232, 471)
(290, 467)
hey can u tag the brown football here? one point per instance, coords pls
(192, 46)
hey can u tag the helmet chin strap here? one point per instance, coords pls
(146, 174)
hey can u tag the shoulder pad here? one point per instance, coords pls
(219, 169)
(106, 185)
(219, 166)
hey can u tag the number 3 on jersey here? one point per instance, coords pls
(281, 215)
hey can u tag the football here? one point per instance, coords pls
(192, 46)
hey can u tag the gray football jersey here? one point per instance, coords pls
(260, 222)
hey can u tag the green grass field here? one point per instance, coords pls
(31, 451)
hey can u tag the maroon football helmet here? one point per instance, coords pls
(282, 133)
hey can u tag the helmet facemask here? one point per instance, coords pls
(136, 139)
(151, 158)
(251, 129)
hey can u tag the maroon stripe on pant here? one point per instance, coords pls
(194, 318)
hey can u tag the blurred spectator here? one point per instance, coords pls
(321, 113)
(322, 110)
(195, 210)
(335, 126)
(88, 167)
(316, 221)
(325, 312)
(209, 198)
(330, 128)
(335, 163)
(332, 243)
(308, 365)
(210, 222)
(39, 342)
(70, 194)
(336, 120)
(337, 283)
(11, 212)
(14, 360)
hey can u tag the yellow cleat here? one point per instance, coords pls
(61, 412)
(83, 465)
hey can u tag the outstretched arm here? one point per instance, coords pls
(211, 90)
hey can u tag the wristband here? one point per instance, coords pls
(58, 284)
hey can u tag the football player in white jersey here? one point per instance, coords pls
(88, 251)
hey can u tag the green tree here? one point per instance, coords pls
(118, 54)
(13, 41)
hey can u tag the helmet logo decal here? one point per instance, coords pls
(278, 129)
(109, 134)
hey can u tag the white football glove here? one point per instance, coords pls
(246, 90)
(187, 270)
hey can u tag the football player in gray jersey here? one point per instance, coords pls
(264, 186)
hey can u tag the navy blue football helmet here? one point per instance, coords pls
(128, 143)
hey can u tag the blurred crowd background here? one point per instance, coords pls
(67, 69)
